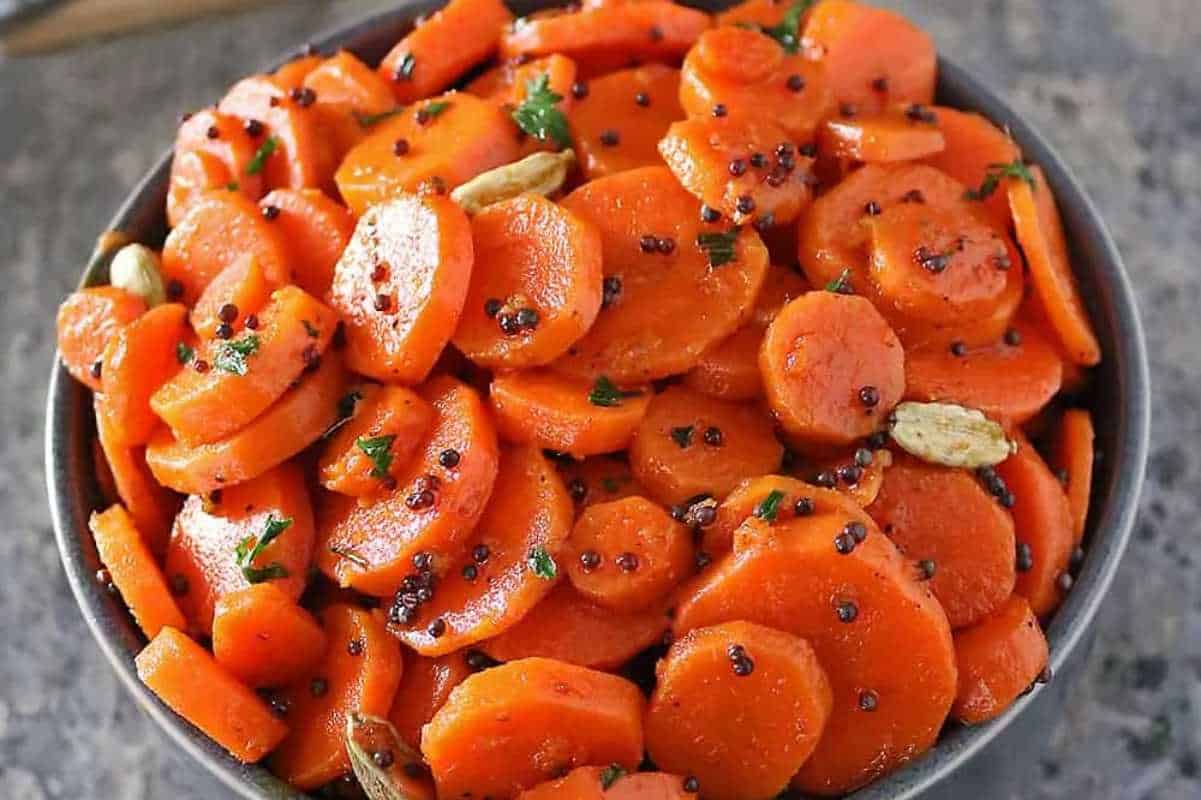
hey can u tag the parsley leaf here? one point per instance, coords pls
(539, 116)
(992, 178)
(610, 774)
(367, 120)
(543, 564)
(232, 186)
(404, 70)
(682, 435)
(788, 31)
(769, 507)
(350, 555)
(231, 357)
(247, 553)
(604, 393)
(718, 246)
(346, 405)
(256, 164)
(379, 450)
(841, 284)
(435, 108)
(183, 353)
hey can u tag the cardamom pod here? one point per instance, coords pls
(541, 173)
(950, 435)
(135, 269)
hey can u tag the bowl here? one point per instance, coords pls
(982, 759)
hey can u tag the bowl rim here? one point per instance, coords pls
(1108, 536)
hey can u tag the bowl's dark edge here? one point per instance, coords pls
(70, 483)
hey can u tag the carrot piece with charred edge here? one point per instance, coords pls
(134, 571)
(86, 321)
(597, 783)
(220, 228)
(369, 451)
(540, 258)
(202, 556)
(998, 658)
(348, 92)
(193, 173)
(972, 146)
(599, 479)
(664, 317)
(292, 424)
(394, 333)
(187, 678)
(242, 285)
(554, 411)
(221, 137)
(316, 229)
(896, 133)
(970, 547)
(263, 638)
(139, 359)
(739, 706)
(690, 444)
(832, 368)
(248, 374)
(426, 684)
(858, 608)
(1042, 521)
(360, 671)
(1040, 232)
(1072, 457)
(490, 738)
(748, 498)
(434, 508)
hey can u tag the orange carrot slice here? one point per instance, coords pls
(316, 229)
(599, 479)
(897, 133)
(350, 94)
(998, 659)
(87, 320)
(226, 139)
(134, 571)
(261, 637)
(1072, 457)
(139, 359)
(240, 288)
(426, 684)
(973, 146)
(193, 173)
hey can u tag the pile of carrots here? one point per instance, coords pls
(522, 416)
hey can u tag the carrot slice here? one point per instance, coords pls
(540, 258)
(896, 133)
(670, 306)
(507, 83)
(193, 173)
(832, 368)
(421, 64)
(998, 659)
(973, 145)
(289, 426)
(604, 783)
(426, 684)
(554, 411)
(87, 320)
(491, 738)
(187, 678)
(316, 229)
(690, 444)
(349, 93)
(359, 672)
(763, 13)
(1072, 457)
(395, 330)
(858, 481)
(438, 502)
(224, 138)
(203, 561)
(599, 479)
(649, 786)
(292, 74)
(261, 637)
(1040, 232)
(139, 359)
(753, 498)
(241, 285)
(740, 707)
(134, 571)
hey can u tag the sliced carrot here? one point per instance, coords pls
(348, 92)
(599, 479)
(604, 783)
(359, 672)
(753, 499)
(973, 146)
(1072, 457)
(263, 638)
(293, 73)
(649, 786)
(193, 173)
(510, 727)
(241, 285)
(582, 783)
(316, 229)
(426, 684)
(434, 509)
(896, 133)
(87, 320)
(508, 83)
(998, 659)
(187, 678)
(134, 571)
(856, 480)
(395, 332)
(230, 140)
(690, 444)
(764, 13)
(671, 306)
(139, 359)
(554, 411)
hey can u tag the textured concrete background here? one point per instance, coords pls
(1113, 83)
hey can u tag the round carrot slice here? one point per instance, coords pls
(426, 684)
(229, 141)
(679, 284)
(401, 284)
(348, 93)
(762, 13)
(291, 75)
(832, 368)
(599, 479)
(768, 499)
(192, 174)
(263, 637)
(897, 133)
(316, 229)
(1072, 457)
(606, 783)
(856, 473)
(998, 658)
(690, 444)
(738, 706)
(134, 571)
(139, 359)
(973, 147)
(508, 83)
(541, 290)
(87, 320)
(239, 291)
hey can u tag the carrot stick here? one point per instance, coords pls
(134, 571)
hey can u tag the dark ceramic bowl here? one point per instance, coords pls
(987, 760)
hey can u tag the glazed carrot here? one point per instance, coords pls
(998, 659)
(242, 285)
(764, 13)
(740, 707)
(316, 229)
(220, 228)
(203, 560)
(887, 710)
(440, 150)
(261, 637)
(394, 332)
(540, 258)
(359, 672)
(690, 444)
(349, 93)
(666, 312)
(832, 368)
(490, 737)
(1072, 457)
(422, 63)
(230, 141)
(555, 411)
(1042, 521)
(649, 786)
(139, 359)
(366, 454)
(753, 498)
(606, 783)
(87, 320)
(134, 571)
(612, 131)
(246, 374)
(856, 480)
(187, 678)
(293, 73)
(508, 83)
(437, 503)
(511, 561)
(567, 626)
(1040, 232)
(193, 173)
(426, 684)
(896, 133)
(973, 145)
(293, 423)
(599, 479)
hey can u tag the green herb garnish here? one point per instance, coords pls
(367, 120)
(183, 353)
(350, 555)
(543, 564)
(539, 116)
(606, 394)
(841, 284)
(788, 31)
(682, 435)
(379, 450)
(769, 507)
(346, 405)
(992, 178)
(231, 357)
(261, 155)
(610, 775)
(247, 553)
(232, 186)
(718, 246)
(431, 110)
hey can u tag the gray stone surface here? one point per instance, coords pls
(1112, 82)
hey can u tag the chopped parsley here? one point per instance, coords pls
(256, 164)
(992, 178)
(183, 353)
(604, 393)
(246, 553)
(232, 186)
(379, 450)
(788, 31)
(404, 71)
(682, 435)
(841, 284)
(543, 564)
(539, 116)
(769, 507)
(610, 775)
(367, 120)
(718, 246)
(350, 555)
(231, 357)
(346, 405)
(431, 110)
